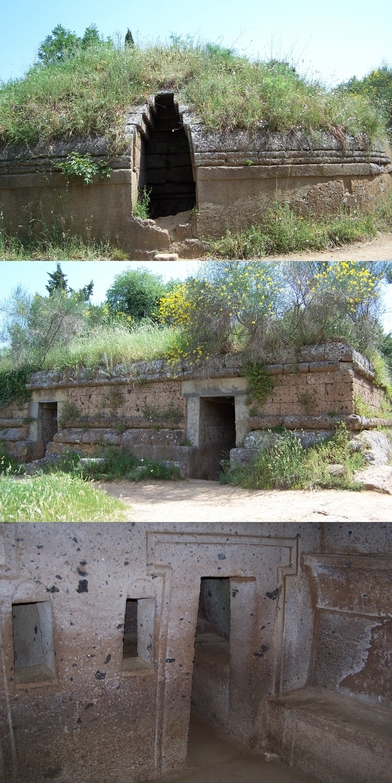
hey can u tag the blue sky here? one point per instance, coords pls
(332, 41)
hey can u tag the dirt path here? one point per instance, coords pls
(378, 249)
(208, 501)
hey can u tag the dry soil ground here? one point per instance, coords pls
(194, 500)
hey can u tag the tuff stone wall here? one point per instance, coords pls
(237, 176)
(240, 174)
(36, 198)
(122, 720)
(349, 675)
(189, 417)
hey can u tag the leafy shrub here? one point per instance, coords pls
(142, 206)
(76, 165)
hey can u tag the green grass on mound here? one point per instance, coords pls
(90, 93)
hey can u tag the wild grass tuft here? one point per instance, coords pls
(106, 346)
(283, 231)
(53, 245)
(287, 465)
(56, 498)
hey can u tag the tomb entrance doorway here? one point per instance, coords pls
(217, 435)
(168, 165)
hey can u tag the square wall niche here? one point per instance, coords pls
(138, 642)
(34, 654)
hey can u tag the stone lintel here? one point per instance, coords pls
(219, 387)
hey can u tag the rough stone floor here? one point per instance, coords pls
(215, 759)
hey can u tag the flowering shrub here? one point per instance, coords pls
(258, 307)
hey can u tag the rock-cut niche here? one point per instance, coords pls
(168, 164)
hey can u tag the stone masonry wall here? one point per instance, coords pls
(146, 410)
(368, 393)
(14, 428)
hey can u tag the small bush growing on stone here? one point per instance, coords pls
(287, 465)
(76, 165)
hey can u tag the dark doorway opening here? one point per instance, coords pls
(168, 172)
(217, 435)
(211, 670)
(47, 422)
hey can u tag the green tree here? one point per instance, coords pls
(63, 44)
(136, 293)
(376, 87)
(91, 36)
(129, 38)
(58, 282)
(58, 46)
(34, 324)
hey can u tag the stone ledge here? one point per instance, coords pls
(53, 179)
(327, 170)
(321, 422)
(308, 726)
(308, 358)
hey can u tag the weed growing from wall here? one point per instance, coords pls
(260, 384)
(160, 418)
(142, 206)
(76, 165)
(69, 414)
